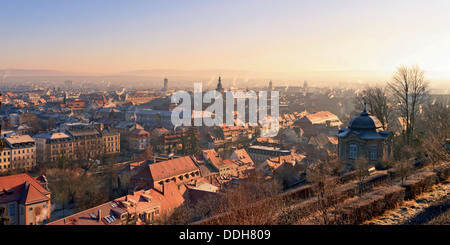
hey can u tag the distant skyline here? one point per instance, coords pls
(257, 35)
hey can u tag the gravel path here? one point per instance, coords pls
(411, 208)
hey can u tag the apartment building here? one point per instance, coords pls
(74, 141)
(5, 159)
(111, 141)
(139, 140)
(19, 152)
(52, 146)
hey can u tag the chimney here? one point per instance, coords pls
(99, 215)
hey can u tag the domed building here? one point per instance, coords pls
(365, 138)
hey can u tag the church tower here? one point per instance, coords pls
(219, 85)
(166, 84)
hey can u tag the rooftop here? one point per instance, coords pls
(18, 139)
(52, 135)
(167, 169)
(267, 148)
(22, 188)
(139, 202)
(365, 127)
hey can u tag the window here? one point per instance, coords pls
(353, 151)
(12, 209)
(373, 153)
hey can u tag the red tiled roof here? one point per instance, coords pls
(167, 169)
(243, 156)
(229, 163)
(278, 161)
(23, 188)
(210, 153)
(144, 200)
(319, 117)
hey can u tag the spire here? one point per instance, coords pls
(364, 113)
(219, 85)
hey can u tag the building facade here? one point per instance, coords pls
(261, 153)
(139, 140)
(363, 138)
(53, 146)
(19, 153)
(76, 141)
(26, 201)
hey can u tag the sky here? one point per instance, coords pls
(108, 36)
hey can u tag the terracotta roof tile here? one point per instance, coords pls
(23, 188)
(166, 169)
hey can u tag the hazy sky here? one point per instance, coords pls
(259, 35)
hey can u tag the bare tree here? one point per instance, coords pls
(403, 169)
(377, 100)
(409, 92)
(87, 153)
(323, 178)
(436, 118)
(147, 154)
(253, 202)
(361, 166)
(435, 125)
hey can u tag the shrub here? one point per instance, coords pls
(419, 183)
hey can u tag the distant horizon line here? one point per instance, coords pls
(204, 70)
(340, 75)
